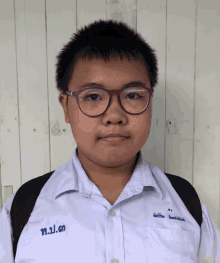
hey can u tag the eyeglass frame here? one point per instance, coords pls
(110, 93)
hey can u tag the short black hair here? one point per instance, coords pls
(104, 39)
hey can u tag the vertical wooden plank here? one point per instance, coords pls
(32, 88)
(9, 112)
(8, 191)
(90, 10)
(180, 87)
(123, 10)
(151, 24)
(61, 24)
(1, 190)
(207, 107)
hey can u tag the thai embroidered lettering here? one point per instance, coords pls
(60, 229)
(158, 215)
(170, 217)
(177, 218)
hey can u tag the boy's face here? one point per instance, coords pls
(87, 130)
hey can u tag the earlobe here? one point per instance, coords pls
(66, 113)
(63, 101)
(67, 119)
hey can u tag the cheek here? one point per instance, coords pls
(146, 122)
(141, 124)
(82, 127)
(142, 129)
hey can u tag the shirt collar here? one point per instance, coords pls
(74, 178)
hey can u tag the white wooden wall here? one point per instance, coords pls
(185, 131)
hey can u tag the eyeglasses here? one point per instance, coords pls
(94, 101)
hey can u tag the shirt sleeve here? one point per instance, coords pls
(209, 250)
(6, 248)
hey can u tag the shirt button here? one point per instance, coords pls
(115, 261)
(112, 212)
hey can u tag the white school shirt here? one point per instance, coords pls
(72, 222)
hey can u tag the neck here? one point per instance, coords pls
(108, 178)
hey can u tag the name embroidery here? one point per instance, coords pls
(170, 217)
(60, 229)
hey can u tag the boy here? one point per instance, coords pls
(109, 203)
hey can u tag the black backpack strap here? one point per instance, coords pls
(23, 204)
(188, 195)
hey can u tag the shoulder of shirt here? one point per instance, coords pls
(209, 221)
(8, 204)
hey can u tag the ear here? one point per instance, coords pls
(63, 101)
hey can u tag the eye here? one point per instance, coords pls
(135, 94)
(91, 96)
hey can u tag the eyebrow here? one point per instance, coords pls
(130, 84)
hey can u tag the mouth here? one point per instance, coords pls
(114, 139)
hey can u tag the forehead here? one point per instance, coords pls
(113, 72)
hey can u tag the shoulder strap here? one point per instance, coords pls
(188, 195)
(23, 204)
(26, 196)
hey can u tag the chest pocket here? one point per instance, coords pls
(167, 242)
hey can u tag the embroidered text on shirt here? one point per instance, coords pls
(170, 217)
(60, 228)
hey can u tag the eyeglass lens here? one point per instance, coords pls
(95, 101)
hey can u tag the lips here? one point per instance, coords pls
(112, 135)
(113, 139)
